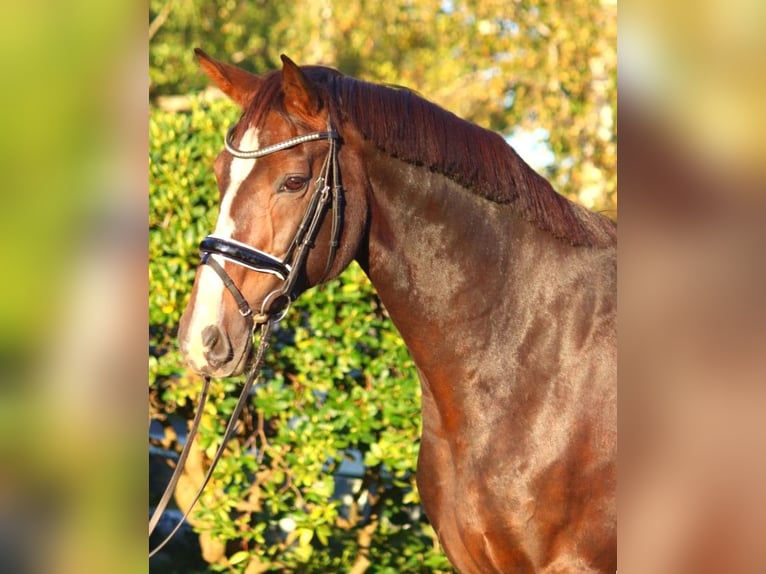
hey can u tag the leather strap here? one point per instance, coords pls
(243, 396)
(244, 307)
(170, 488)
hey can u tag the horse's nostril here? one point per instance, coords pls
(210, 336)
(218, 351)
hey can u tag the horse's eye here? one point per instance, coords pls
(293, 183)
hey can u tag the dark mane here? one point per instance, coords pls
(416, 131)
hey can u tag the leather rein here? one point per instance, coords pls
(328, 193)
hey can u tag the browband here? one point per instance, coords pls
(292, 142)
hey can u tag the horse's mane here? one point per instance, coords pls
(408, 127)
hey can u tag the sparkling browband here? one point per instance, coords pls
(227, 142)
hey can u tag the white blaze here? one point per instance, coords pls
(208, 305)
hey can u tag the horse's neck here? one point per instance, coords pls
(464, 278)
(443, 259)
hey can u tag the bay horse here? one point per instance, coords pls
(503, 291)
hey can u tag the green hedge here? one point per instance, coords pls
(338, 385)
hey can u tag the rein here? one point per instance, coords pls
(162, 505)
(276, 304)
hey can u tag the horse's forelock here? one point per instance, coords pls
(267, 98)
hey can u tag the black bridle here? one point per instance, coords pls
(327, 190)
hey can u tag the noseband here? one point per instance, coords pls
(327, 189)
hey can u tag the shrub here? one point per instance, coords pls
(321, 476)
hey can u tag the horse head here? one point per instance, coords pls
(283, 223)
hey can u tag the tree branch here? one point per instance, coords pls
(159, 19)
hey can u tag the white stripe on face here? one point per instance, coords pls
(239, 170)
(208, 304)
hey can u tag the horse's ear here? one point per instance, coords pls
(235, 82)
(300, 94)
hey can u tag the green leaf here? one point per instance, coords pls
(238, 557)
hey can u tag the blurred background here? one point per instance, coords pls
(73, 311)
(73, 145)
(692, 279)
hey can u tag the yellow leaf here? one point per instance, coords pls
(304, 537)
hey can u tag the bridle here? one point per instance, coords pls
(328, 190)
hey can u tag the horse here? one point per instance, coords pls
(503, 291)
